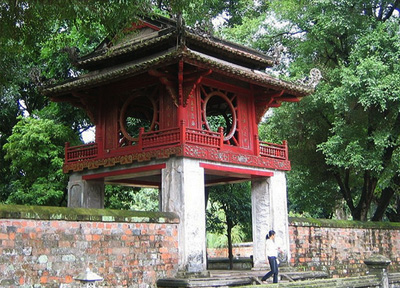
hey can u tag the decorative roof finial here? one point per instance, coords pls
(312, 80)
(276, 52)
(180, 27)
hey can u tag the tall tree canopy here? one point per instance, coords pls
(39, 40)
(234, 200)
(344, 139)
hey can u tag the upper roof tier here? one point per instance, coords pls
(149, 36)
(154, 43)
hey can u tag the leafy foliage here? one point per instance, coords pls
(131, 198)
(344, 138)
(35, 150)
(39, 44)
(230, 207)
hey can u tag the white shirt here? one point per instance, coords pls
(271, 250)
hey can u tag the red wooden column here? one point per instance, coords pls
(182, 132)
(182, 111)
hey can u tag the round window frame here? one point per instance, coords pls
(122, 116)
(232, 108)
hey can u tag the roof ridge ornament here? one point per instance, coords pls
(312, 80)
(202, 29)
(276, 52)
(180, 28)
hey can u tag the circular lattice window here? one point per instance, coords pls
(219, 112)
(138, 111)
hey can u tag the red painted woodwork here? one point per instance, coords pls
(192, 136)
(192, 96)
(181, 141)
(81, 153)
(274, 150)
(228, 170)
(124, 171)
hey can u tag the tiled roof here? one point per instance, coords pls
(128, 48)
(240, 51)
(246, 74)
(165, 44)
(169, 36)
(123, 71)
(112, 74)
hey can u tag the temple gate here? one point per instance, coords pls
(198, 100)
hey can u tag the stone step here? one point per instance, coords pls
(228, 278)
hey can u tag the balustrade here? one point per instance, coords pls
(278, 151)
(202, 137)
(160, 138)
(175, 136)
(81, 152)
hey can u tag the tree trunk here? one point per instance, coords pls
(385, 199)
(360, 213)
(230, 250)
(394, 214)
(345, 189)
(383, 203)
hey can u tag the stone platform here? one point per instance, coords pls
(224, 278)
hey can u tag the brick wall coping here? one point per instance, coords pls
(310, 222)
(85, 214)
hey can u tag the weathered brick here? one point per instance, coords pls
(69, 245)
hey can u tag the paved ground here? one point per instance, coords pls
(256, 275)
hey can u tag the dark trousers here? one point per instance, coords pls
(274, 270)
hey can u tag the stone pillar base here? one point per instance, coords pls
(85, 194)
(269, 212)
(183, 192)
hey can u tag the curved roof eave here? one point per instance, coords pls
(123, 71)
(113, 74)
(128, 48)
(169, 40)
(254, 76)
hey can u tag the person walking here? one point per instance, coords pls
(271, 251)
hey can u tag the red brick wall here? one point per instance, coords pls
(340, 247)
(129, 251)
(336, 247)
(50, 246)
(243, 250)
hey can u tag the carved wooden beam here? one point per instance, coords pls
(264, 100)
(86, 102)
(180, 86)
(167, 80)
(191, 80)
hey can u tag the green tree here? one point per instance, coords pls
(344, 138)
(35, 150)
(131, 198)
(39, 42)
(234, 200)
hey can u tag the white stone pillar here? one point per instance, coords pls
(261, 219)
(280, 220)
(183, 192)
(269, 212)
(85, 194)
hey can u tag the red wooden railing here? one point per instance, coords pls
(153, 139)
(279, 151)
(81, 152)
(171, 137)
(202, 137)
